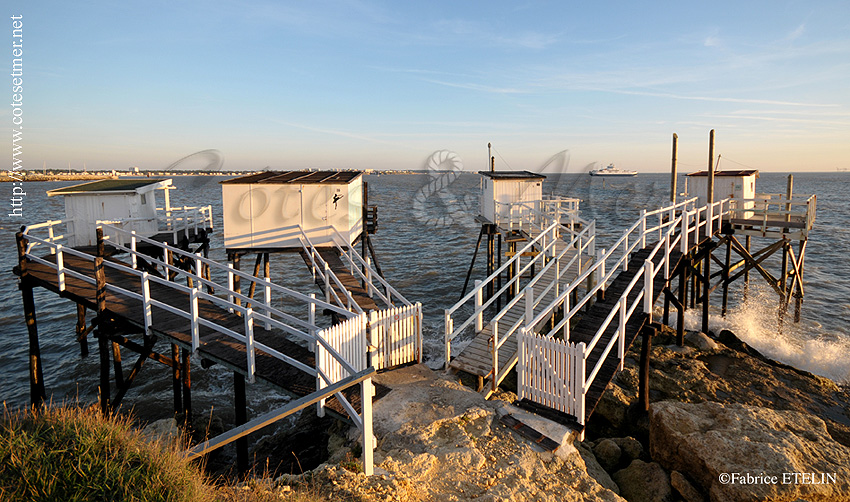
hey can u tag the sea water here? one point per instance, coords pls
(425, 242)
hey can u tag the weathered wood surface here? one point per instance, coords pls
(477, 357)
(214, 345)
(341, 270)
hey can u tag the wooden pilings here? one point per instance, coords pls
(241, 415)
(37, 392)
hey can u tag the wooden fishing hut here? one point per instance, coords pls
(776, 221)
(131, 201)
(318, 214)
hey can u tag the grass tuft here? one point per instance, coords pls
(72, 454)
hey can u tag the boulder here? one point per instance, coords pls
(739, 452)
(608, 453)
(631, 447)
(700, 340)
(644, 482)
(684, 488)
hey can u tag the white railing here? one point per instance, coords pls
(775, 214)
(550, 253)
(533, 216)
(362, 268)
(179, 220)
(339, 355)
(322, 271)
(677, 227)
(395, 335)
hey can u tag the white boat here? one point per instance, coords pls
(612, 171)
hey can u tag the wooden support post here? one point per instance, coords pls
(241, 411)
(80, 330)
(643, 378)
(253, 287)
(175, 378)
(116, 364)
(237, 281)
(472, 263)
(499, 267)
(103, 343)
(186, 378)
(798, 304)
(710, 188)
(37, 392)
(747, 242)
(726, 276)
(673, 168)
(706, 287)
(683, 304)
(491, 260)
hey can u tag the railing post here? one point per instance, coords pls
(600, 270)
(249, 342)
(529, 307)
(626, 253)
(479, 300)
(567, 313)
(230, 286)
(666, 257)
(447, 319)
(267, 290)
(146, 303)
(648, 273)
(185, 222)
(366, 394)
(311, 319)
(133, 257)
(369, 286)
(60, 268)
(327, 283)
(193, 312)
(579, 368)
(419, 332)
(642, 228)
(50, 236)
(709, 217)
(495, 331)
(621, 332)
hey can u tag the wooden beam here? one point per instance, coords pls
(241, 412)
(125, 386)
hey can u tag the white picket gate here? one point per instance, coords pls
(548, 370)
(396, 335)
(348, 340)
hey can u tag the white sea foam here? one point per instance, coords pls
(806, 345)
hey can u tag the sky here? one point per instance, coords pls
(384, 85)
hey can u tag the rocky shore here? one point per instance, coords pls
(725, 424)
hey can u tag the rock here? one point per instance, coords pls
(685, 351)
(684, 488)
(162, 430)
(644, 482)
(594, 469)
(608, 454)
(610, 414)
(707, 440)
(700, 340)
(630, 447)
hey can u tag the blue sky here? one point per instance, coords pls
(382, 85)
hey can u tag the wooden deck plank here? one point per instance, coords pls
(214, 345)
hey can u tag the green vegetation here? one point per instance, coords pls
(72, 454)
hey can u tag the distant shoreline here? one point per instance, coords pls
(88, 177)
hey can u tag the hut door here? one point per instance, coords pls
(314, 212)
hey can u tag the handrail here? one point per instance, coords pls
(327, 275)
(683, 223)
(351, 255)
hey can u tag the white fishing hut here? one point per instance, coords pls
(130, 201)
(500, 189)
(727, 184)
(268, 211)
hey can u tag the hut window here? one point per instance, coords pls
(144, 200)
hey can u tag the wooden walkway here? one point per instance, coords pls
(214, 346)
(477, 357)
(341, 270)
